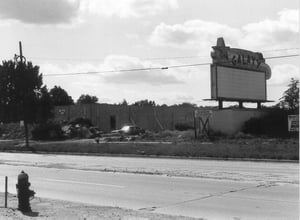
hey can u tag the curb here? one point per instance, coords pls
(158, 157)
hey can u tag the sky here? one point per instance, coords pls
(80, 36)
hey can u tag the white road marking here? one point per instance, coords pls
(84, 183)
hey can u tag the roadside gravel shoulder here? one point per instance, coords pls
(43, 208)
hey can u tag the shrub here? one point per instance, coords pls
(241, 135)
(47, 131)
(166, 134)
(181, 126)
(82, 122)
(273, 124)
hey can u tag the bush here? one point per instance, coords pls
(82, 122)
(12, 131)
(274, 124)
(183, 126)
(217, 134)
(47, 131)
(241, 135)
(166, 134)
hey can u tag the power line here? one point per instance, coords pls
(283, 49)
(128, 70)
(149, 58)
(95, 59)
(283, 56)
(153, 68)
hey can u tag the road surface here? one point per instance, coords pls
(196, 188)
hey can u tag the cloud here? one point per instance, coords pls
(194, 34)
(49, 12)
(281, 33)
(152, 77)
(39, 11)
(180, 98)
(282, 74)
(114, 63)
(201, 35)
(127, 8)
(116, 86)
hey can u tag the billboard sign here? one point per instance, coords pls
(237, 84)
(238, 75)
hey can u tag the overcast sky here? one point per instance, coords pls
(70, 36)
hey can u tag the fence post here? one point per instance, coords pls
(195, 127)
(5, 205)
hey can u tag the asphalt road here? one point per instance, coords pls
(196, 188)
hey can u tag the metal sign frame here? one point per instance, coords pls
(203, 116)
(293, 123)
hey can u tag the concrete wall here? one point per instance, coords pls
(230, 121)
(151, 118)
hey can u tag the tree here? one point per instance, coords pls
(87, 99)
(187, 104)
(21, 93)
(20, 85)
(46, 106)
(124, 103)
(145, 102)
(290, 99)
(60, 97)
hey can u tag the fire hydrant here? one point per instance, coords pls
(23, 192)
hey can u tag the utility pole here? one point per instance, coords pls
(5, 201)
(21, 57)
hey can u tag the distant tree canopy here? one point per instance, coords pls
(187, 104)
(290, 99)
(145, 102)
(60, 97)
(124, 102)
(22, 95)
(87, 99)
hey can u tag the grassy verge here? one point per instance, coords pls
(282, 149)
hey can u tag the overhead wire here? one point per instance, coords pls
(282, 56)
(129, 70)
(149, 58)
(95, 59)
(282, 49)
(152, 68)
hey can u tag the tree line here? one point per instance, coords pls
(23, 95)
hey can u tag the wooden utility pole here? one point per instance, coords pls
(195, 126)
(21, 57)
(5, 202)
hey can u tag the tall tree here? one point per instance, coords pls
(20, 85)
(21, 93)
(290, 99)
(60, 97)
(87, 99)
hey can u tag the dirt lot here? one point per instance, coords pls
(54, 209)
